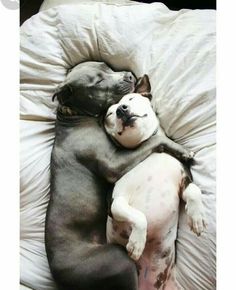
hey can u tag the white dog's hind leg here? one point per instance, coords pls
(194, 207)
(123, 212)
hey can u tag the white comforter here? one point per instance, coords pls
(177, 51)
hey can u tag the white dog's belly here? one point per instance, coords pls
(152, 187)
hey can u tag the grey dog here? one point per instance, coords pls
(84, 165)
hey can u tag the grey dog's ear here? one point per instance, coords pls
(63, 94)
(143, 87)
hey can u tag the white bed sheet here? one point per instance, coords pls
(177, 50)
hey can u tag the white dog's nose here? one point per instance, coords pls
(122, 110)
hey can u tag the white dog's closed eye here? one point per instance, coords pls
(109, 114)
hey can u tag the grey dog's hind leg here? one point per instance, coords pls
(102, 267)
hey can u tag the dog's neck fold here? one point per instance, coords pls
(74, 119)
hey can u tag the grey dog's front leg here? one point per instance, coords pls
(177, 150)
(114, 165)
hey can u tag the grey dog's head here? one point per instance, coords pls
(91, 87)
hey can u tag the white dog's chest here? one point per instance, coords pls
(152, 187)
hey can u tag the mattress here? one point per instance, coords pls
(177, 50)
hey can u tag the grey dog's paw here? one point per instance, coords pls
(188, 155)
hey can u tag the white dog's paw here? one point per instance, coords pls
(136, 243)
(196, 217)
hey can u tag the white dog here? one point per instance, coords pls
(146, 199)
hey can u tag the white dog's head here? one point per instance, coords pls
(132, 120)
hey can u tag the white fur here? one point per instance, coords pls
(194, 208)
(123, 212)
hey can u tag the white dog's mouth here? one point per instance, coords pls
(129, 120)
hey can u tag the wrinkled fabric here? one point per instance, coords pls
(177, 50)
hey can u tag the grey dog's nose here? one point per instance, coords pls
(128, 77)
(122, 110)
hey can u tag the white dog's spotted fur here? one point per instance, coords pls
(146, 199)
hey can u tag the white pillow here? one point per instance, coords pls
(47, 4)
(177, 50)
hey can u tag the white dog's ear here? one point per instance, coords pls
(143, 85)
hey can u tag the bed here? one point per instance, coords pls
(177, 50)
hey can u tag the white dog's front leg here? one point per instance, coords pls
(193, 197)
(123, 212)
